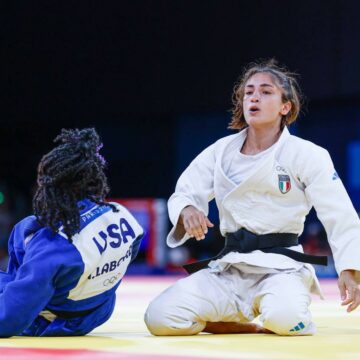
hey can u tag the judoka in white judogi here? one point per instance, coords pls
(274, 196)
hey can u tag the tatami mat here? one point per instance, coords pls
(125, 335)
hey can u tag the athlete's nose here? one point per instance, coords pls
(254, 98)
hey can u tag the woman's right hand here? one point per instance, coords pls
(195, 222)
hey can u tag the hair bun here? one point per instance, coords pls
(85, 141)
(87, 136)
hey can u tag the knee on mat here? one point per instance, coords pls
(162, 320)
(287, 320)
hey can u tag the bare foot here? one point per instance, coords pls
(235, 328)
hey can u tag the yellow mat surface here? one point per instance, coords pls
(125, 335)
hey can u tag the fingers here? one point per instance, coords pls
(202, 221)
(196, 223)
(208, 222)
(194, 229)
(349, 292)
(349, 295)
(353, 298)
(355, 303)
(347, 301)
(342, 289)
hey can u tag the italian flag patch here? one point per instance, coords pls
(284, 183)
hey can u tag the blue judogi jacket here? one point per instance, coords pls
(48, 275)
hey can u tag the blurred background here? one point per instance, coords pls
(155, 79)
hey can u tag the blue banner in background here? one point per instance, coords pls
(353, 165)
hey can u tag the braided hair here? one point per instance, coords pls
(72, 171)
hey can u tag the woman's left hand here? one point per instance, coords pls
(349, 290)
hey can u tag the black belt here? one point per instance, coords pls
(72, 314)
(244, 241)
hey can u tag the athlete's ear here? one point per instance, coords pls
(285, 108)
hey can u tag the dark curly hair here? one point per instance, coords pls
(72, 171)
(283, 78)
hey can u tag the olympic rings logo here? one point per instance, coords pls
(111, 280)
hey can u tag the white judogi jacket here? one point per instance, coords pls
(259, 205)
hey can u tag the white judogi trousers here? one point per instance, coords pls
(281, 300)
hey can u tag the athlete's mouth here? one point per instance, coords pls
(253, 109)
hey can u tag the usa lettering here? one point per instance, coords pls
(114, 236)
